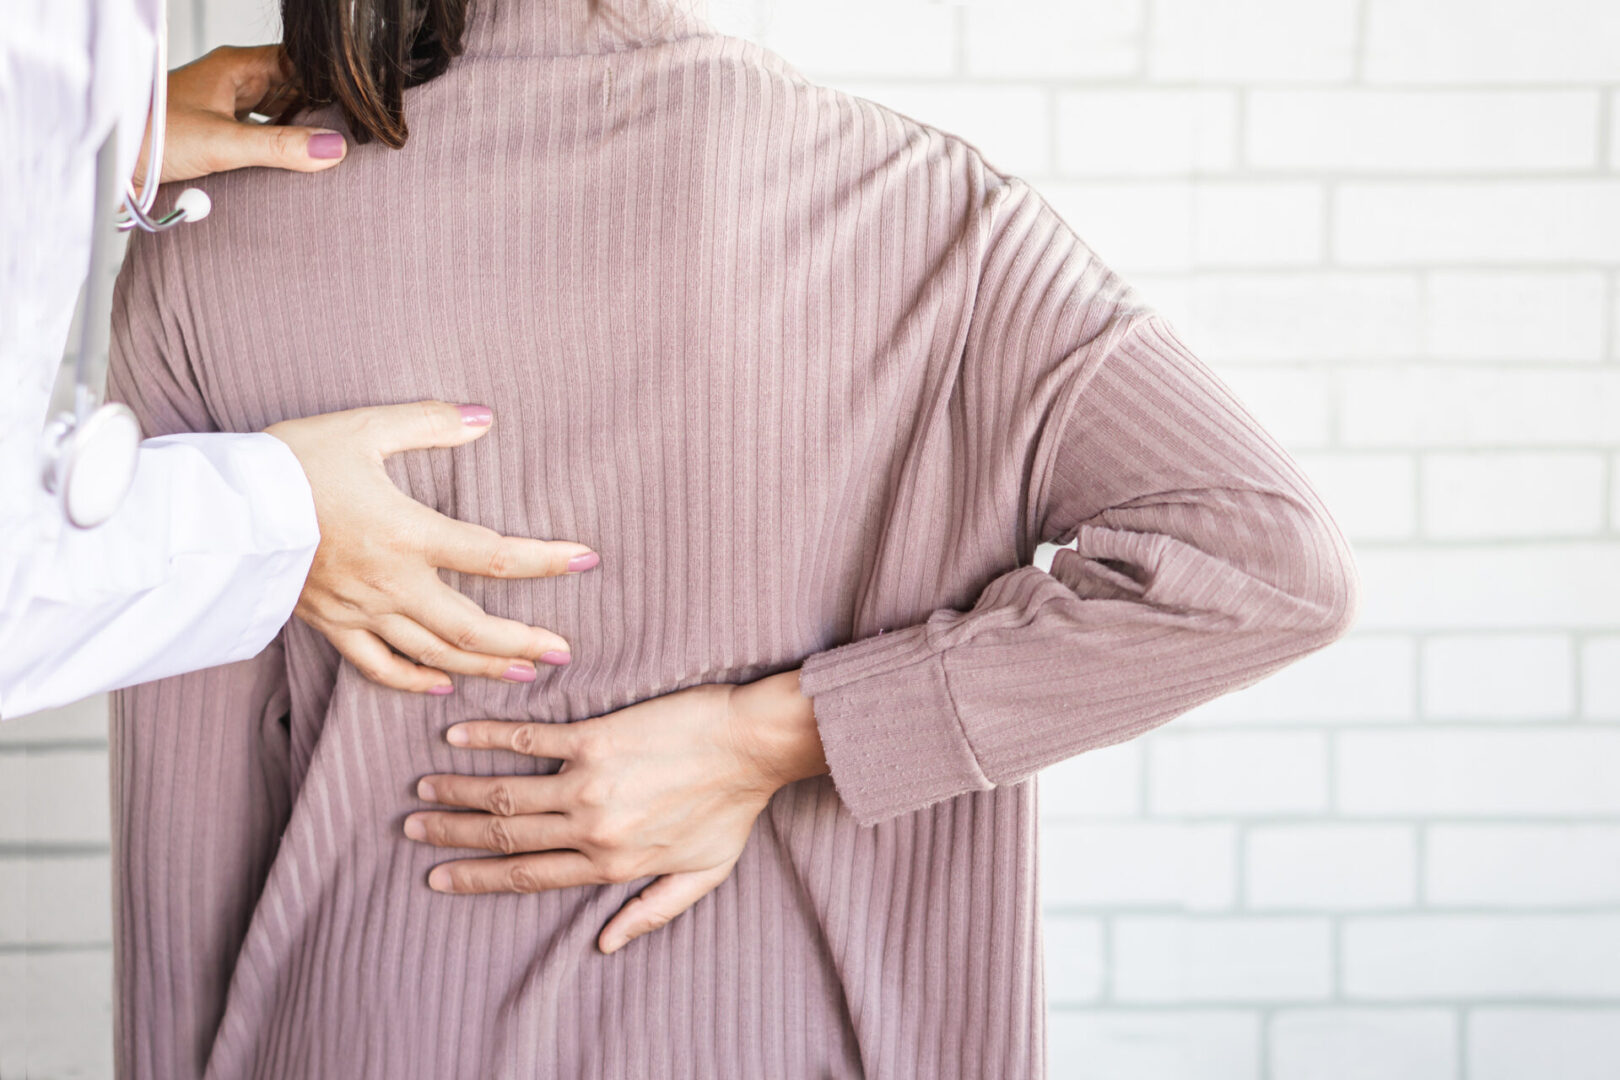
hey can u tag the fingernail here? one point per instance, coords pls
(555, 656)
(325, 145)
(441, 690)
(414, 829)
(583, 562)
(520, 673)
(439, 879)
(424, 791)
(456, 736)
(612, 945)
(476, 415)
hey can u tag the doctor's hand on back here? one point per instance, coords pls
(222, 536)
(374, 582)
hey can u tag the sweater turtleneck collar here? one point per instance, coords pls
(499, 28)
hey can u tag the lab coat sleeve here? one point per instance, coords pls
(202, 565)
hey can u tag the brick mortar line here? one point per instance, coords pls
(52, 746)
(1302, 175)
(1230, 361)
(1611, 512)
(1267, 1017)
(1420, 865)
(1474, 268)
(1611, 311)
(1445, 1005)
(1527, 819)
(1450, 544)
(1302, 1004)
(1240, 132)
(1459, 1041)
(1080, 83)
(1337, 968)
(1570, 723)
(1342, 914)
(1105, 993)
(31, 948)
(53, 849)
(1577, 676)
(1420, 486)
(1318, 267)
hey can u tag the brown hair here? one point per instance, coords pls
(362, 54)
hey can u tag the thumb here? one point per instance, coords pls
(420, 425)
(658, 904)
(299, 149)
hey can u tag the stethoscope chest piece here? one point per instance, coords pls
(90, 466)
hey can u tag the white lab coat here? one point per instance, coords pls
(203, 563)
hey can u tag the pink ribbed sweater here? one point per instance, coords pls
(815, 379)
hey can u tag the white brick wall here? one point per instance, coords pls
(1394, 227)
(1363, 1044)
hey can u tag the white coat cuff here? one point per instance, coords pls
(285, 524)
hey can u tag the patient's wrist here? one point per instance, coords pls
(777, 725)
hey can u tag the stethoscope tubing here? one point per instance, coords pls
(138, 209)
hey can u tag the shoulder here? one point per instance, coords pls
(839, 115)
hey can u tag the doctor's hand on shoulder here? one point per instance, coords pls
(208, 129)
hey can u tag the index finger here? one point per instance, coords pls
(474, 549)
(535, 740)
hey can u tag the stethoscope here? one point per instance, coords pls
(89, 455)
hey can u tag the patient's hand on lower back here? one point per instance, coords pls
(375, 579)
(669, 786)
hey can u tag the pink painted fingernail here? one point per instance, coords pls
(425, 792)
(445, 688)
(414, 829)
(583, 562)
(555, 656)
(520, 673)
(325, 145)
(476, 415)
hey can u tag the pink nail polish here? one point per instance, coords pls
(519, 673)
(583, 562)
(555, 656)
(476, 415)
(441, 690)
(325, 145)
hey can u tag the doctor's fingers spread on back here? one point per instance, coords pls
(374, 582)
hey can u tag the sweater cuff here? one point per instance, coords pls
(893, 741)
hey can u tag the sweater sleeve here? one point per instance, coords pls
(1201, 561)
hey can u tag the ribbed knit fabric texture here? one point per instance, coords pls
(815, 379)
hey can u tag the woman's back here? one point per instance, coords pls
(722, 316)
(815, 381)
